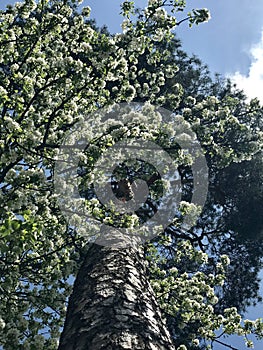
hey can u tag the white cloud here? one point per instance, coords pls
(252, 83)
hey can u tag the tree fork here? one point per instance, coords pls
(113, 305)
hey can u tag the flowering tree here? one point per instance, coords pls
(55, 68)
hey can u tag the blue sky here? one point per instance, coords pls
(231, 43)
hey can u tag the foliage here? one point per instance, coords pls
(54, 68)
(187, 294)
(228, 225)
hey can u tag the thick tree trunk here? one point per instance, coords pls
(113, 305)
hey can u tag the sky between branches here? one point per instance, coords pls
(231, 43)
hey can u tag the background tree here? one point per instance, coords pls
(233, 188)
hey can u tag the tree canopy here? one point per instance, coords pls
(55, 68)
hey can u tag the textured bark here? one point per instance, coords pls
(113, 305)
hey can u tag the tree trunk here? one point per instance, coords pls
(113, 305)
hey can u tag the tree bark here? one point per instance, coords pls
(113, 305)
